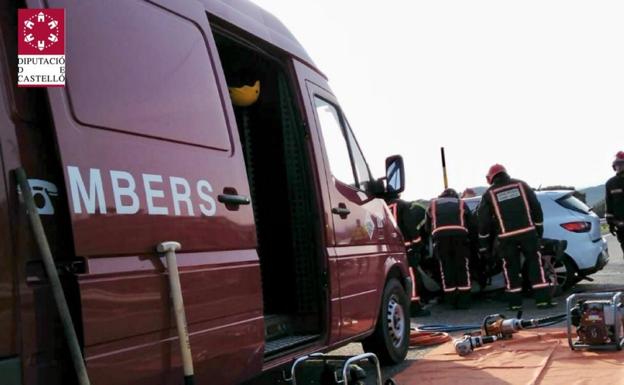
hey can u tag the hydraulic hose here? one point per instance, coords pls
(447, 328)
(55, 282)
(420, 338)
(543, 322)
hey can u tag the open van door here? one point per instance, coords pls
(148, 152)
(356, 217)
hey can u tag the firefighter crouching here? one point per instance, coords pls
(449, 221)
(615, 199)
(410, 218)
(510, 209)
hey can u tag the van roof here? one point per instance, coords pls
(260, 23)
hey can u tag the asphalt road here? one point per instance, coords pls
(608, 279)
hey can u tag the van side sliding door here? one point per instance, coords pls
(145, 132)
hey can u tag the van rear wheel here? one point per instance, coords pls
(390, 340)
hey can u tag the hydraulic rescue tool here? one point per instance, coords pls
(497, 327)
(501, 327)
(465, 345)
(598, 318)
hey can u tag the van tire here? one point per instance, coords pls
(390, 340)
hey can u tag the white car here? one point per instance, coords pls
(567, 218)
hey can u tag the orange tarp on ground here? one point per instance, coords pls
(531, 357)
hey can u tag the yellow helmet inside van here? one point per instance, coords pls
(245, 96)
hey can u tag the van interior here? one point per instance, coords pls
(273, 139)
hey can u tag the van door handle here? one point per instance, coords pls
(233, 199)
(341, 210)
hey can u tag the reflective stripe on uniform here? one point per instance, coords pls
(497, 211)
(412, 242)
(393, 209)
(450, 227)
(516, 232)
(461, 213)
(541, 267)
(468, 279)
(507, 283)
(442, 275)
(415, 296)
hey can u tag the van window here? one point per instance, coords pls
(335, 144)
(153, 78)
(361, 167)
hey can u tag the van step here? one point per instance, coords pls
(276, 326)
(276, 346)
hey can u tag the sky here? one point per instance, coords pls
(537, 86)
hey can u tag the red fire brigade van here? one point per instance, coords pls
(287, 245)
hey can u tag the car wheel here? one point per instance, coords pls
(390, 339)
(566, 272)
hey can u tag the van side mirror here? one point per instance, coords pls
(395, 174)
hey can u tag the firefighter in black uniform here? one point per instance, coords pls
(510, 210)
(449, 221)
(615, 199)
(410, 218)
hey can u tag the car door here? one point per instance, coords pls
(148, 153)
(357, 217)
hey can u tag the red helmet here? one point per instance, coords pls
(494, 170)
(619, 159)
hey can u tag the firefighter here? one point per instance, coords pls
(615, 199)
(449, 221)
(510, 211)
(410, 218)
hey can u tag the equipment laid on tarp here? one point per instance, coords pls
(326, 369)
(539, 356)
(466, 345)
(497, 327)
(599, 321)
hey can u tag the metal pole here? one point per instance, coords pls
(55, 282)
(169, 249)
(444, 167)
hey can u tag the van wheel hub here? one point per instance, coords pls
(396, 321)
